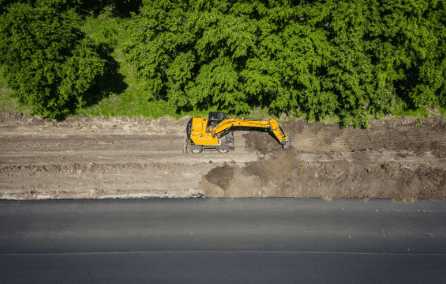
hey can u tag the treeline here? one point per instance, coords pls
(349, 58)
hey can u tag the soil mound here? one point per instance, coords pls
(221, 176)
(400, 159)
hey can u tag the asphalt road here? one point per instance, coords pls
(222, 241)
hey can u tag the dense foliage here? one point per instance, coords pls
(47, 60)
(349, 58)
(122, 8)
(60, 5)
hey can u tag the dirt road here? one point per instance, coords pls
(86, 157)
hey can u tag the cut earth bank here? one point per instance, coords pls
(85, 157)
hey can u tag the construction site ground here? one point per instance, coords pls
(85, 157)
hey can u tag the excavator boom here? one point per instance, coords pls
(270, 124)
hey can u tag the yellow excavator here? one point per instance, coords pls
(217, 132)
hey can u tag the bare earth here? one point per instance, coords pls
(86, 157)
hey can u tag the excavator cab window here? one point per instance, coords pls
(215, 118)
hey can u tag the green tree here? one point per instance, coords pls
(388, 53)
(61, 5)
(47, 60)
(232, 55)
(350, 58)
(285, 71)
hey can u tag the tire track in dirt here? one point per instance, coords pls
(86, 157)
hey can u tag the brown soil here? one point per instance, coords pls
(85, 157)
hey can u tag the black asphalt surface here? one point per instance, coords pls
(292, 240)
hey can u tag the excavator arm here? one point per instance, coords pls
(270, 124)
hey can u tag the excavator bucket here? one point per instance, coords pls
(287, 143)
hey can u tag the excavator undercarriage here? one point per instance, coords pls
(217, 132)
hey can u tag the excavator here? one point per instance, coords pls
(217, 132)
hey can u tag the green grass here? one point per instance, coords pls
(412, 113)
(419, 122)
(7, 101)
(419, 112)
(133, 100)
(442, 111)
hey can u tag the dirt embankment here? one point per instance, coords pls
(392, 159)
(82, 124)
(86, 157)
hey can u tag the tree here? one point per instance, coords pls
(350, 58)
(47, 60)
(60, 5)
(232, 55)
(388, 53)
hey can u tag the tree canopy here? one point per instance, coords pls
(351, 58)
(122, 8)
(47, 60)
(319, 57)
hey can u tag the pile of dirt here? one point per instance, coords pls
(285, 175)
(221, 176)
(403, 134)
(360, 174)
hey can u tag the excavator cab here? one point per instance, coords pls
(215, 118)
